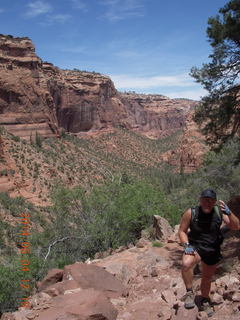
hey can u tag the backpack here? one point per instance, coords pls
(195, 213)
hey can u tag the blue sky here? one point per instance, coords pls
(147, 46)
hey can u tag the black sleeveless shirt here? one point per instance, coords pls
(205, 229)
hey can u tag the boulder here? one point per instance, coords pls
(53, 276)
(174, 236)
(202, 316)
(228, 282)
(85, 305)
(162, 228)
(91, 276)
(142, 243)
(169, 297)
(186, 314)
(121, 271)
(217, 298)
(61, 287)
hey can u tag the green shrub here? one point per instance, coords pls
(112, 215)
(15, 138)
(11, 172)
(3, 172)
(38, 140)
(10, 289)
(11, 274)
(157, 244)
(14, 205)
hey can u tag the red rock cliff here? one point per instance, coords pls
(37, 96)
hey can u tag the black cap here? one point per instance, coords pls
(208, 193)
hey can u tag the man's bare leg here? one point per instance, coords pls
(188, 264)
(207, 273)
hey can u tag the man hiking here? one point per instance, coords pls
(202, 243)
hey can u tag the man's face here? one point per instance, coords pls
(207, 204)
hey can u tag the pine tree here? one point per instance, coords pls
(219, 112)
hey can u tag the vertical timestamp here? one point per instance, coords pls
(25, 263)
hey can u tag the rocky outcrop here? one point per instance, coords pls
(36, 96)
(189, 155)
(161, 227)
(141, 282)
(80, 291)
(26, 105)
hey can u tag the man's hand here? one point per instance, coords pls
(224, 208)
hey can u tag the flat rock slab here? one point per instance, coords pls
(91, 276)
(88, 304)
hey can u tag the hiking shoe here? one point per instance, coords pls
(206, 307)
(188, 299)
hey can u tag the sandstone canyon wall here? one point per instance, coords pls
(37, 96)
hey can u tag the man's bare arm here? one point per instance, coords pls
(229, 218)
(184, 225)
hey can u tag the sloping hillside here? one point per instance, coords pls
(32, 169)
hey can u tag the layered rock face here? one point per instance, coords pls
(26, 105)
(188, 156)
(36, 96)
(156, 116)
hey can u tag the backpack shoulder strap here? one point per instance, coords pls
(195, 213)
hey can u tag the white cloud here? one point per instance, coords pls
(58, 18)
(121, 9)
(127, 82)
(79, 4)
(177, 86)
(194, 94)
(36, 8)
